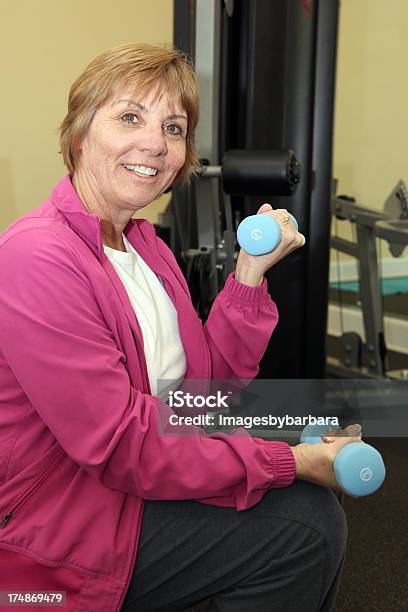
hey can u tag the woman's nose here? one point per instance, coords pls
(152, 140)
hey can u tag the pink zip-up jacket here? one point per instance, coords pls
(80, 441)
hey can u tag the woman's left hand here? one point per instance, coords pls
(250, 269)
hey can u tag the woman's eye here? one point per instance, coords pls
(174, 129)
(130, 118)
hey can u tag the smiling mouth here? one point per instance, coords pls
(141, 170)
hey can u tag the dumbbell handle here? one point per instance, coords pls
(358, 467)
(260, 234)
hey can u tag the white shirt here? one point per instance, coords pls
(164, 352)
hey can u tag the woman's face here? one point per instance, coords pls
(133, 149)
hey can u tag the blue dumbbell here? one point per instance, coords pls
(260, 234)
(358, 467)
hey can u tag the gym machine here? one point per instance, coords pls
(390, 225)
(266, 73)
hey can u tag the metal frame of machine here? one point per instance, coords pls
(392, 226)
(266, 74)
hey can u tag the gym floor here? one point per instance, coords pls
(376, 568)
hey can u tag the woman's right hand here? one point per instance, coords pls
(314, 462)
(250, 269)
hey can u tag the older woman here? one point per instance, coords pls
(93, 312)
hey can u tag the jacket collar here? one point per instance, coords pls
(86, 225)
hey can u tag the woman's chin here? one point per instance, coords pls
(140, 198)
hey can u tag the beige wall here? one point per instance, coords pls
(371, 128)
(43, 47)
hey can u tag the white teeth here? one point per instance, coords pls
(141, 169)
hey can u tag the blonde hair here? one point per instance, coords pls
(145, 67)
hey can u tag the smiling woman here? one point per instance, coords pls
(131, 153)
(139, 69)
(128, 132)
(94, 312)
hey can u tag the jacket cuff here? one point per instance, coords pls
(282, 463)
(244, 293)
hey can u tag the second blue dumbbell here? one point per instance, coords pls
(358, 467)
(260, 234)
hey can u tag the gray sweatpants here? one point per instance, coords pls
(283, 555)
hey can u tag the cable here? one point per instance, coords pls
(178, 221)
(383, 348)
(381, 276)
(229, 235)
(339, 291)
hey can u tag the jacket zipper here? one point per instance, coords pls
(31, 490)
